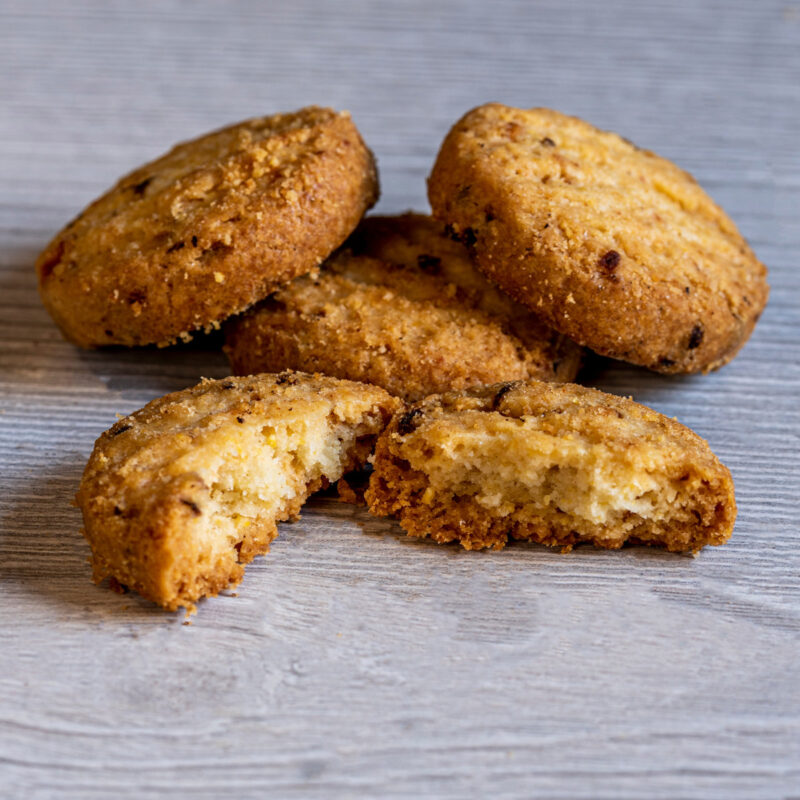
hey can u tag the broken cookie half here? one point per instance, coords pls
(556, 464)
(179, 496)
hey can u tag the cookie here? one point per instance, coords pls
(612, 245)
(556, 464)
(208, 229)
(402, 307)
(179, 496)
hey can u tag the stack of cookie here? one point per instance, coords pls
(445, 339)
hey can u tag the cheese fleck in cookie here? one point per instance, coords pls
(556, 464)
(613, 246)
(179, 496)
(403, 307)
(208, 229)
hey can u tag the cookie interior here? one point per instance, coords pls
(184, 509)
(256, 473)
(557, 476)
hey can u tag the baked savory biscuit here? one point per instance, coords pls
(179, 496)
(403, 307)
(556, 464)
(208, 229)
(613, 246)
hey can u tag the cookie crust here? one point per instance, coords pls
(555, 464)
(612, 245)
(403, 307)
(178, 497)
(205, 231)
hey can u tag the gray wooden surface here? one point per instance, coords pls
(354, 662)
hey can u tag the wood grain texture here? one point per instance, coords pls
(355, 662)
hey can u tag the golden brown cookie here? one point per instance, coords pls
(208, 229)
(179, 496)
(613, 246)
(403, 307)
(556, 464)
